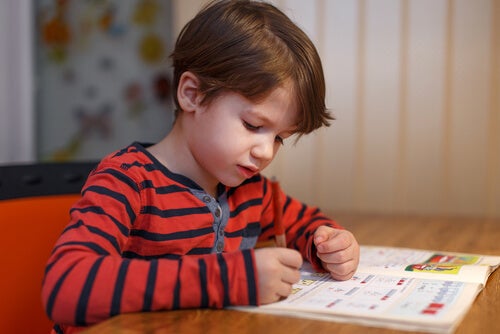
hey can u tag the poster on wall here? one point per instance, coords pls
(103, 76)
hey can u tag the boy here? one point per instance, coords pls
(174, 225)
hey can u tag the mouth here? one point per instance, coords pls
(247, 172)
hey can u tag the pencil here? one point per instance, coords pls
(279, 230)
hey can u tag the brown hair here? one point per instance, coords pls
(251, 47)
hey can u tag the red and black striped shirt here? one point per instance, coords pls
(142, 238)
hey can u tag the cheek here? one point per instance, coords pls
(207, 131)
(229, 143)
(221, 134)
(230, 137)
(221, 142)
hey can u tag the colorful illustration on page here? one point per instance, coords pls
(443, 264)
(452, 259)
(436, 268)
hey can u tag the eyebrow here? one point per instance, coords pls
(261, 116)
(291, 131)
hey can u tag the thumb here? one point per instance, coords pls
(322, 234)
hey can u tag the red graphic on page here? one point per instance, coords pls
(433, 308)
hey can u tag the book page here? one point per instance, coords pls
(427, 264)
(390, 301)
(400, 288)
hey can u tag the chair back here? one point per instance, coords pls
(34, 209)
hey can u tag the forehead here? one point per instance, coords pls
(280, 105)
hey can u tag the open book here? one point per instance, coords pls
(399, 288)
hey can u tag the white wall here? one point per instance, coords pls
(415, 88)
(414, 85)
(16, 93)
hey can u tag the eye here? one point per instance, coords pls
(250, 126)
(278, 139)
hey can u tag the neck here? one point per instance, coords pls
(173, 151)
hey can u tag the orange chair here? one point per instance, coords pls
(34, 209)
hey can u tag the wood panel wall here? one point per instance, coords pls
(415, 89)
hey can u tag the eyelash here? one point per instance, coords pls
(250, 126)
(256, 128)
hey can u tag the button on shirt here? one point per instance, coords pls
(220, 211)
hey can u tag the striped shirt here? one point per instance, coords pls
(142, 238)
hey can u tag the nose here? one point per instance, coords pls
(264, 149)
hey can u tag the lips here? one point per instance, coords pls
(247, 172)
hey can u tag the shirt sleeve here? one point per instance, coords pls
(88, 279)
(300, 221)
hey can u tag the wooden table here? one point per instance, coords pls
(480, 236)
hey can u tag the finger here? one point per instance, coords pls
(289, 258)
(290, 275)
(337, 257)
(338, 240)
(322, 234)
(284, 290)
(341, 271)
(341, 277)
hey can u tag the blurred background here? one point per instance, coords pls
(414, 86)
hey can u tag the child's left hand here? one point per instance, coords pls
(338, 251)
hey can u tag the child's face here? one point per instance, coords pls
(233, 138)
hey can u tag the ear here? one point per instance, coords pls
(188, 93)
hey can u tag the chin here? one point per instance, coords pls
(233, 182)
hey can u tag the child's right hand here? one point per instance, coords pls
(277, 270)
